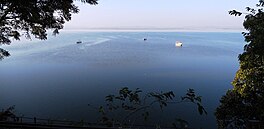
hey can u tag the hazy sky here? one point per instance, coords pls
(199, 14)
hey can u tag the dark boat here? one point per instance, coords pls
(78, 42)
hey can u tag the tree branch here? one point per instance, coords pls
(8, 10)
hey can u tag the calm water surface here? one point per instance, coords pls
(58, 78)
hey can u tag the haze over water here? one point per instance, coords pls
(58, 78)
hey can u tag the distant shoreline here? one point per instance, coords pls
(156, 30)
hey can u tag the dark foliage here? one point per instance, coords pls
(7, 114)
(34, 17)
(244, 102)
(130, 103)
(3, 53)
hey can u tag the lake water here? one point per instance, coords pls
(58, 78)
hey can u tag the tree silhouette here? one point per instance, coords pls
(7, 114)
(244, 103)
(120, 108)
(34, 18)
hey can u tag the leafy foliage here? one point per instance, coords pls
(3, 53)
(7, 114)
(34, 17)
(245, 101)
(232, 112)
(180, 124)
(190, 96)
(130, 103)
(234, 12)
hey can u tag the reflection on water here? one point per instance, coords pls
(59, 78)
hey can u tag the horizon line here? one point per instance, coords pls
(162, 29)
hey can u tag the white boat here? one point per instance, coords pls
(178, 44)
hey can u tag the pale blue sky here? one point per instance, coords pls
(198, 14)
